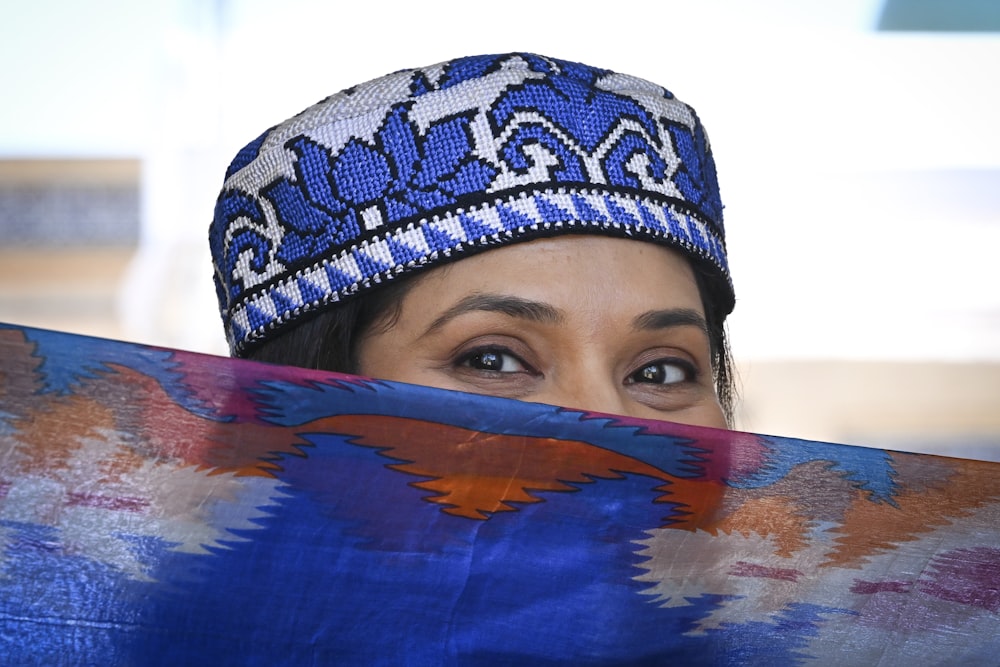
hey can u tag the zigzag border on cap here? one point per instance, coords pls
(435, 239)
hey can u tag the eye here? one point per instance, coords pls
(494, 360)
(664, 372)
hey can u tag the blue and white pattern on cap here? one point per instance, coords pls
(424, 166)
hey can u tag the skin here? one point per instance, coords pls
(595, 323)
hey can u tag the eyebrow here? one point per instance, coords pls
(671, 317)
(512, 306)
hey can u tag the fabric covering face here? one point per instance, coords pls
(165, 507)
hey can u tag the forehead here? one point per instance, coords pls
(571, 272)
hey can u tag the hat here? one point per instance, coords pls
(425, 166)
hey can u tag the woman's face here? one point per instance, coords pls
(595, 323)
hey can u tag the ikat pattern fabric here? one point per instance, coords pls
(159, 507)
(423, 166)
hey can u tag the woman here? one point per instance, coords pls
(352, 237)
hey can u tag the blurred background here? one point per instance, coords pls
(857, 143)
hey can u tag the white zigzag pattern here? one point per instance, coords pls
(347, 265)
(317, 279)
(526, 207)
(685, 228)
(561, 200)
(451, 226)
(378, 251)
(632, 206)
(414, 239)
(488, 217)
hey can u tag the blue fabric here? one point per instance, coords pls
(161, 508)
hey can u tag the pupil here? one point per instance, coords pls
(652, 373)
(490, 361)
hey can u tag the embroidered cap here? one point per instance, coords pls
(428, 165)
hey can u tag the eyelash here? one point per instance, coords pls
(688, 369)
(466, 359)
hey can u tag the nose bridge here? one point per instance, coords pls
(585, 383)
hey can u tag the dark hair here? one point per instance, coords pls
(722, 358)
(329, 341)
